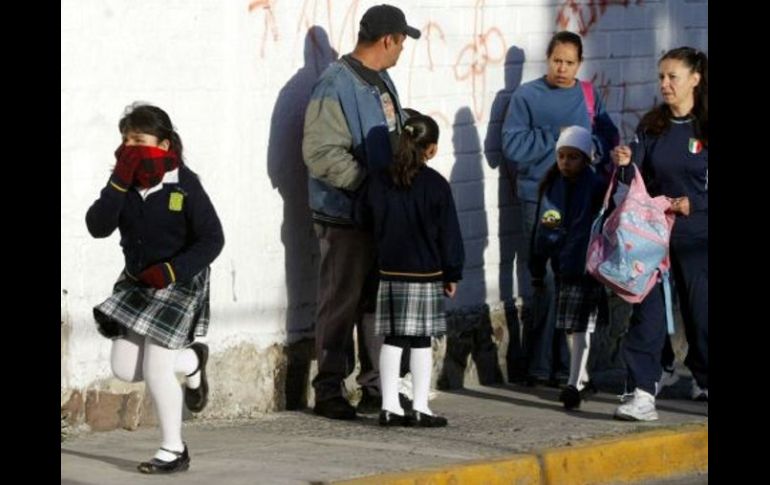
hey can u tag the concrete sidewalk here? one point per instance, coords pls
(487, 427)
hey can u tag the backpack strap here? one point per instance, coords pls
(588, 95)
(667, 297)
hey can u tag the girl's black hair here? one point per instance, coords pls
(418, 134)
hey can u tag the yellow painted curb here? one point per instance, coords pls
(626, 458)
(512, 470)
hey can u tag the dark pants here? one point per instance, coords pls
(345, 291)
(546, 350)
(643, 344)
(668, 357)
(690, 264)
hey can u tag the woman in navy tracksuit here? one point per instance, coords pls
(671, 150)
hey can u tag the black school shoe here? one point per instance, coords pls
(335, 408)
(196, 399)
(572, 398)
(427, 421)
(157, 467)
(391, 419)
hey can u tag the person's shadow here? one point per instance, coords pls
(288, 174)
(469, 329)
(512, 241)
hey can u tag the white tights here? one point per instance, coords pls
(136, 358)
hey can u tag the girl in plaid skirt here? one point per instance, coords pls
(420, 259)
(569, 200)
(170, 234)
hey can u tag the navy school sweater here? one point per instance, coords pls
(416, 229)
(177, 224)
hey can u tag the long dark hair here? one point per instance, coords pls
(658, 120)
(145, 118)
(418, 134)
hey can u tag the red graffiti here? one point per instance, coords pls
(586, 14)
(270, 24)
(425, 38)
(627, 126)
(602, 84)
(474, 58)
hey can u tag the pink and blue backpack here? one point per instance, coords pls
(628, 251)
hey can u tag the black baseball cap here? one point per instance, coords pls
(383, 20)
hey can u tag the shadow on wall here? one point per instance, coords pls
(288, 174)
(512, 240)
(467, 181)
(510, 218)
(469, 330)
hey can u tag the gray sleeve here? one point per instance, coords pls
(327, 145)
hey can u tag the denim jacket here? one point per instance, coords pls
(345, 137)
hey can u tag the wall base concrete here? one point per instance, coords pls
(245, 381)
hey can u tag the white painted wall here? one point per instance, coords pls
(233, 74)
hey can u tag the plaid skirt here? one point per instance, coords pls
(409, 309)
(172, 316)
(577, 305)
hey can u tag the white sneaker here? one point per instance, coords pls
(667, 378)
(640, 408)
(697, 393)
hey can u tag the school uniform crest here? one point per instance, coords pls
(175, 201)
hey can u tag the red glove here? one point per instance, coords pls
(128, 159)
(158, 275)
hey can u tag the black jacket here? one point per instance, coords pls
(416, 229)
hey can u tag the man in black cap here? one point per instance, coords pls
(352, 125)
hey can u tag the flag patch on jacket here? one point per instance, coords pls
(695, 146)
